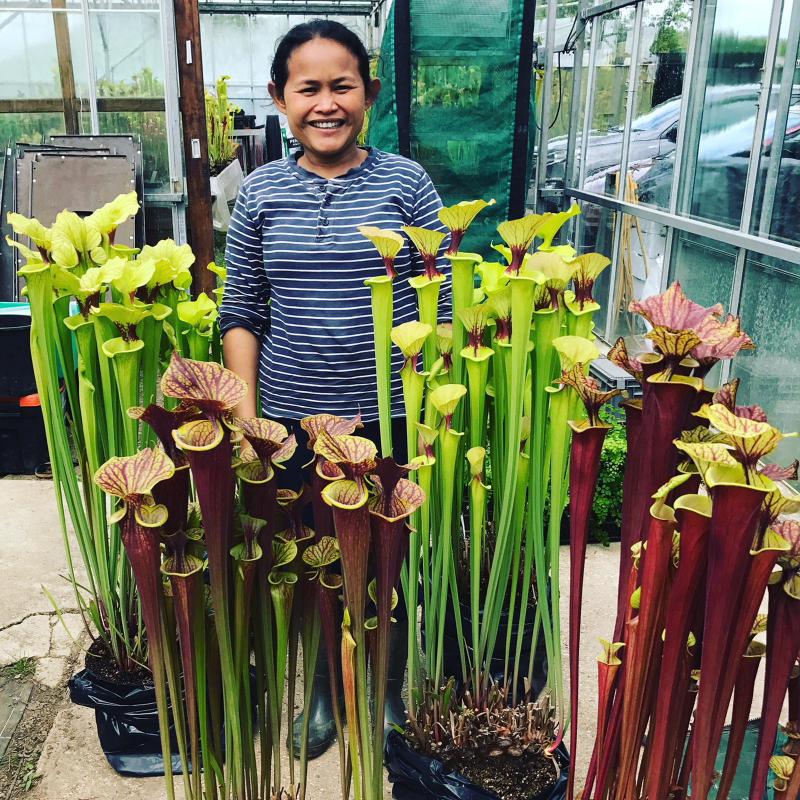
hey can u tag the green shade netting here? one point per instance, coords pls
(464, 66)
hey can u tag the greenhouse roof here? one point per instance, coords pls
(338, 7)
(303, 7)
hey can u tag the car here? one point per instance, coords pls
(721, 173)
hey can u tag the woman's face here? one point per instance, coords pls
(325, 99)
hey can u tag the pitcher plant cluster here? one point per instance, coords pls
(198, 562)
(104, 319)
(491, 400)
(222, 148)
(273, 582)
(704, 535)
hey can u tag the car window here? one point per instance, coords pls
(659, 117)
(737, 139)
(723, 114)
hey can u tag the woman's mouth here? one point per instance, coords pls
(327, 124)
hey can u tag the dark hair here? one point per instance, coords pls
(317, 29)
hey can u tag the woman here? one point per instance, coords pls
(296, 316)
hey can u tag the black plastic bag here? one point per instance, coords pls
(127, 724)
(417, 777)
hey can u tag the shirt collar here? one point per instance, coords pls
(306, 176)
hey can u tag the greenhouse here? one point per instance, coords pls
(401, 398)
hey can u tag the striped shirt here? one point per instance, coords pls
(296, 268)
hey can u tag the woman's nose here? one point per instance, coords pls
(326, 101)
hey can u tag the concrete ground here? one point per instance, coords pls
(72, 764)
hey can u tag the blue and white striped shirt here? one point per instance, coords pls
(296, 268)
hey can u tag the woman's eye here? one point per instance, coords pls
(342, 89)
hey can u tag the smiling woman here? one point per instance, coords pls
(324, 93)
(297, 316)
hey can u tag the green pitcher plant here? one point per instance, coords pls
(489, 441)
(103, 319)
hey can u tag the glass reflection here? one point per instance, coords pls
(774, 212)
(769, 374)
(640, 266)
(705, 268)
(611, 76)
(595, 234)
(732, 57)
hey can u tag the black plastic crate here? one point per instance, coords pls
(23, 444)
(16, 367)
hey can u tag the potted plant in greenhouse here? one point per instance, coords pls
(227, 585)
(226, 170)
(703, 518)
(102, 318)
(489, 403)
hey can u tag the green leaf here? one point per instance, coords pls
(198, 313)
(131, 275)
(445, 398)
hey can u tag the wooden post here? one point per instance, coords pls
(195, 141)
(65, 71)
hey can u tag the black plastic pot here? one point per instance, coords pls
(127, 724)
(417, 777)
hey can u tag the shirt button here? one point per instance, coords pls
(324, 220)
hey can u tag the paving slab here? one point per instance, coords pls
(50, 671)
(73, 766)
(14, 697)
(65, 631)
(32, 551)
(29, 638)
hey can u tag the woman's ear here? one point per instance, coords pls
(278, 100)
(373, 90)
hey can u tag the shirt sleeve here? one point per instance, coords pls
(426, 215)
(245, 303)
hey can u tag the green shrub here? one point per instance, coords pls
(607, 506)
(606, 519)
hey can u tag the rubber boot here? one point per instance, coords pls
(395, 709)
(321, 728)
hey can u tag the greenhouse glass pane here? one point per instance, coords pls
(640, 266)
(127, 54)
(123, 5)
(561, 96)
(39, 5)
(704, 268)
(31, 128)
(595, 227)
(28, 57)
(611, 76)
(654, 130)
(778, 188)
(152, 127)
(29, 66)
(733, 67)
(770, 374)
